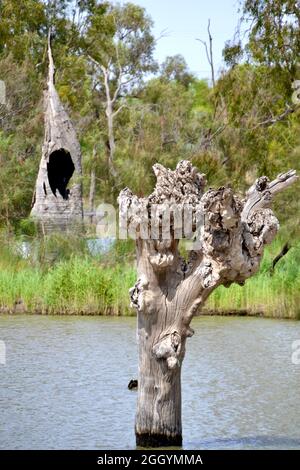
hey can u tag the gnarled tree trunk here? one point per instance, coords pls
(229, 237)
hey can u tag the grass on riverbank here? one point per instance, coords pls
(59, 276)
(276, 295)
(76, 286)
(82, 284)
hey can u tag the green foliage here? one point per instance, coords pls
(175, 68)
(48, 250)
(26, 227)
(119, 37)
(274, 37)
(79, 284)
(271, 295)
(20, 135)
(75, 283)
(232, 53)
(167, 118)
(232, 133)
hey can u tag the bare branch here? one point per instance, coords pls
(285, 249)
(261, 192)
(207, 140)
(109, 114)
(206, 49)
(106, 85)
(163, 34)
(209, 53)
(119, 79)
(273, 120)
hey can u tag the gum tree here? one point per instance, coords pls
(230, 237)
(120, 58)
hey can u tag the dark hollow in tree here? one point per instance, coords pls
(60, 170)
(170, 290)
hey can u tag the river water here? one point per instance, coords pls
(64, 385)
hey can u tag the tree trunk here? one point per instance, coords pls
(158, 417)
(229, 236)
(57, 203)
(111, 139)
(110, 101)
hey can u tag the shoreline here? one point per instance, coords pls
(81, 285)
(19, 309)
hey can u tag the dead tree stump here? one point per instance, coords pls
(230, 235)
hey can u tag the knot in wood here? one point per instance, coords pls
(262, 183)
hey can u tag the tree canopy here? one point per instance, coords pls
(130, 112)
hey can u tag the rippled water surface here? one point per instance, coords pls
(65, 383)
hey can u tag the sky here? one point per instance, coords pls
(186, 20)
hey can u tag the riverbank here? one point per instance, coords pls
(85, 285)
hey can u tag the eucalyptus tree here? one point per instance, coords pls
(272, 35)
(119, 44)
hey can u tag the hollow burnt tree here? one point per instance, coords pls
(55, 205)
(170, 290)
(119, 59)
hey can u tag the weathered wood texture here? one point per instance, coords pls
(170, 290)
(57, 205)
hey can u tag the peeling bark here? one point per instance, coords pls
(169, 290)
(55, 204)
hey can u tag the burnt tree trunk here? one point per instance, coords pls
(229, 238)
(56, 205)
